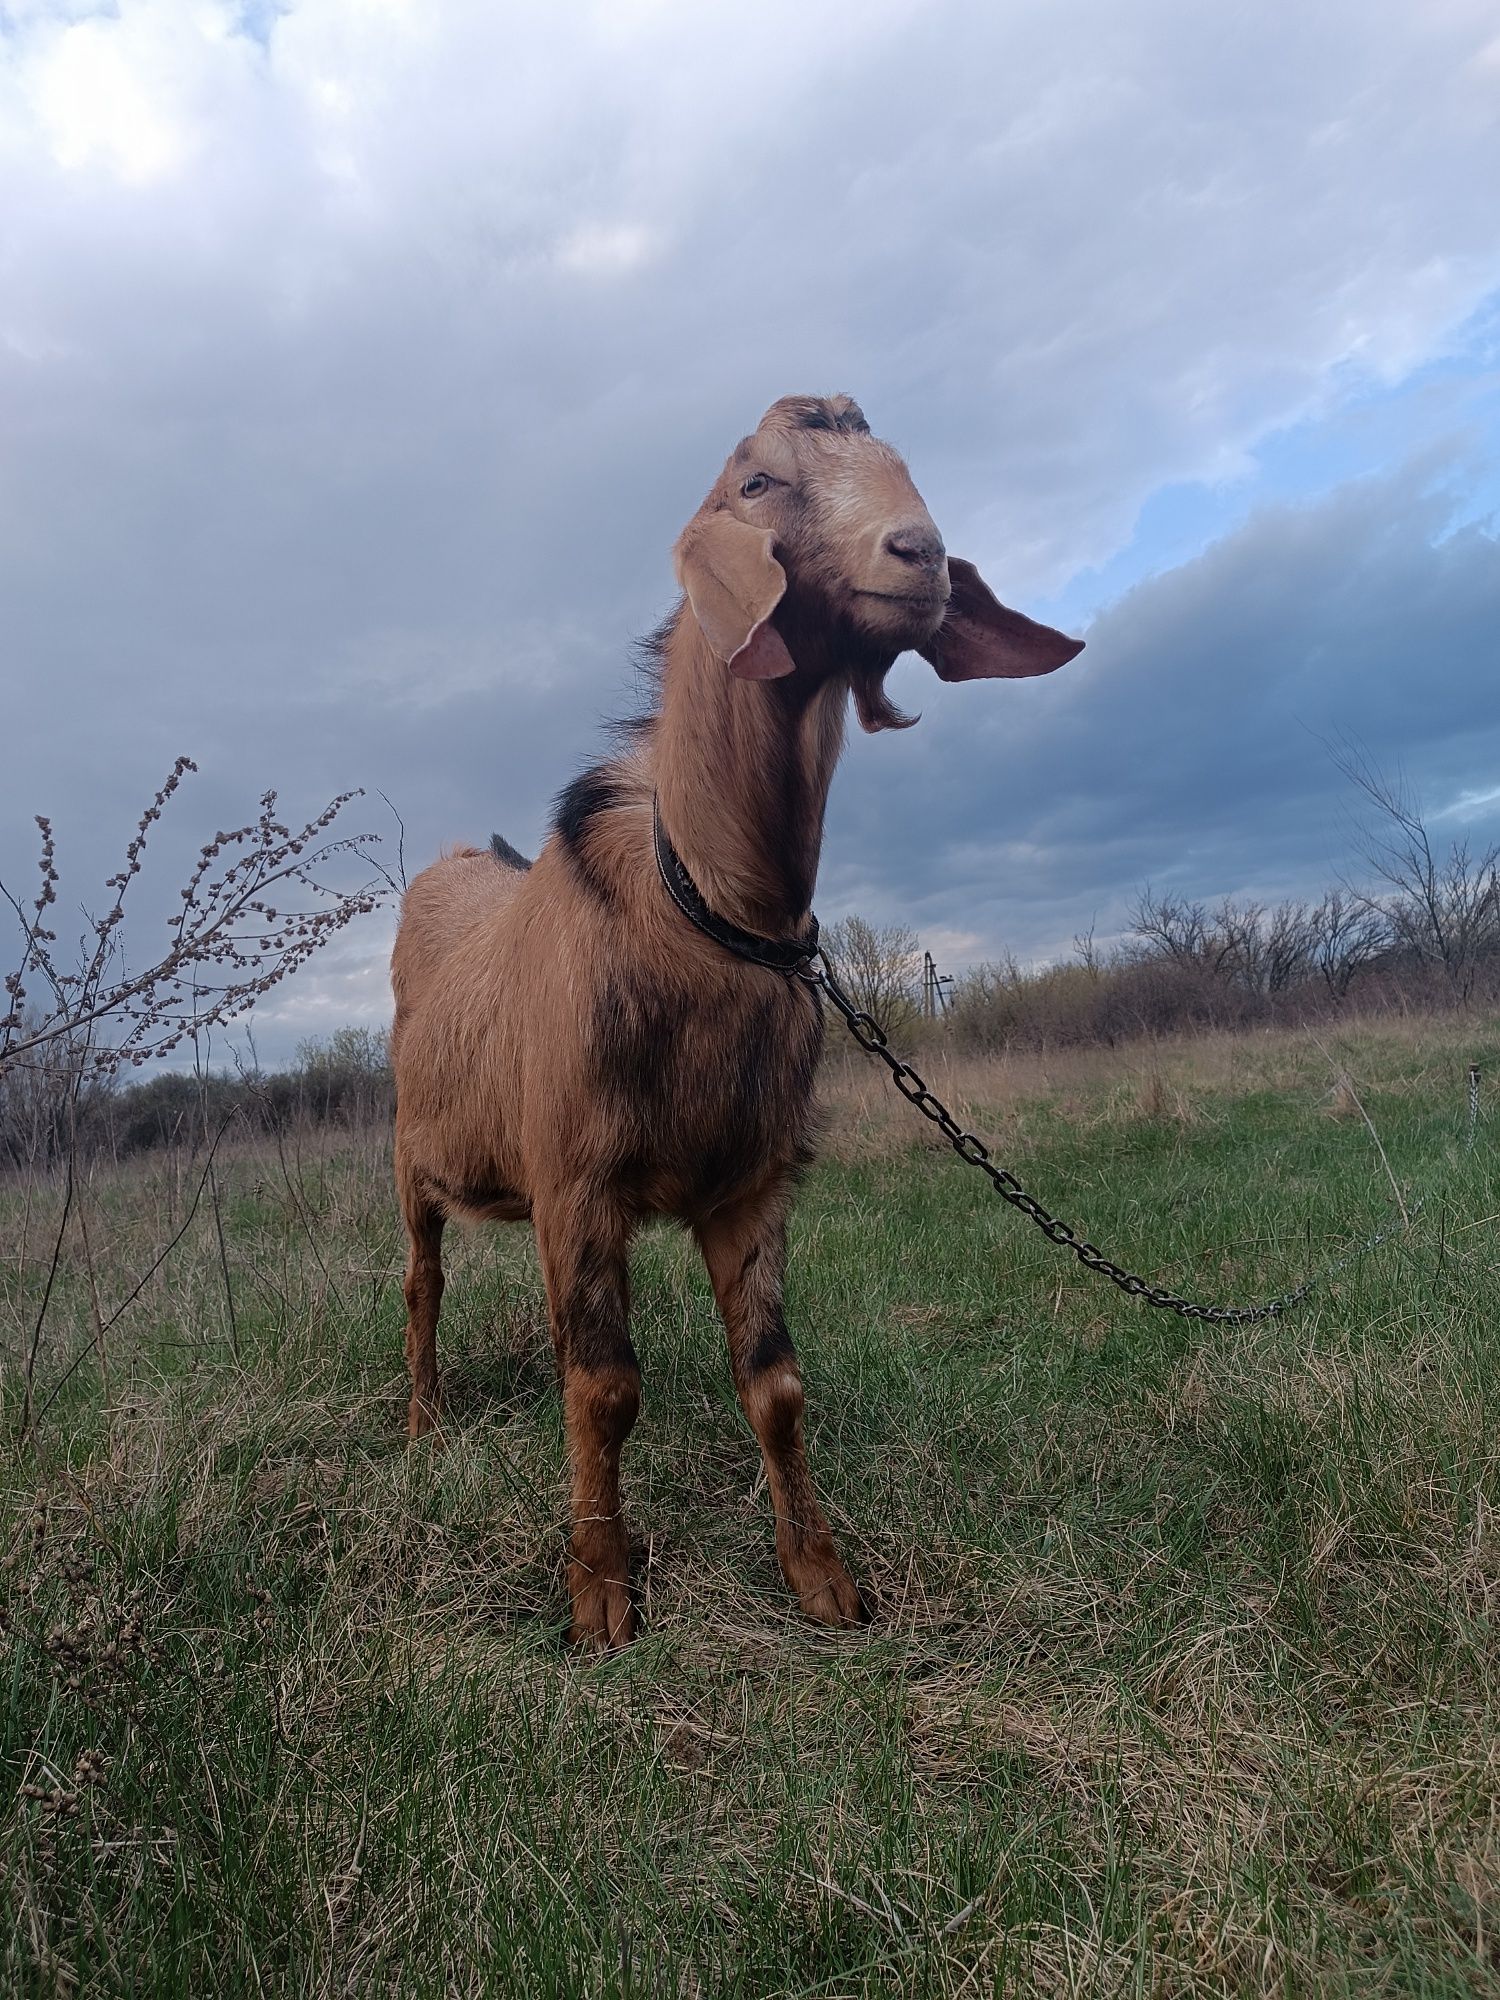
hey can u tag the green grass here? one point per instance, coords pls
(1183, 1672)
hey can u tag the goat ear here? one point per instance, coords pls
(734, 582)
(982, 639)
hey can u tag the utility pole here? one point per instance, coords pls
(934, 999)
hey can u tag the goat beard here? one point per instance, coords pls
(872, 704)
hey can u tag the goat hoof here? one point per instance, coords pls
(825, 1590)
(421, 1420)
(603, 1616)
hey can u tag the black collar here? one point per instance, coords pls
(785, 955)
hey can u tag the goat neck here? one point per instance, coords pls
(742, 770)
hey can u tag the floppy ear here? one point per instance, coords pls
(982, 639)
(734, 582)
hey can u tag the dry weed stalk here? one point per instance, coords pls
(74, 1026)
(1344, 1090)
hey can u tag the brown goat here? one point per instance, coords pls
(568, 1048)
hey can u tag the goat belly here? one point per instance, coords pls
(705, 1100)
(482, 1199)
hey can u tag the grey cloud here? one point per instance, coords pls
(1190, 744)
(351, 406)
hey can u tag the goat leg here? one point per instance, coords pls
(423, 1289)
(583, 1258)
(744, 1248)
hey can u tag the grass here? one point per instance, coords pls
(1183, 1673)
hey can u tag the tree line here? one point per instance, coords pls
(1421, 934)
(342, 1080)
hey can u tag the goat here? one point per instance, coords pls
(569, 1050)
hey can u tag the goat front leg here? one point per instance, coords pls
(745, 1251)
(583, 1257)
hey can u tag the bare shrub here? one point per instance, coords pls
(1424, 934)
(346, 1078)
(259, 900)
(228, 945)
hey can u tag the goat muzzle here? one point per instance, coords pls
(918, 545)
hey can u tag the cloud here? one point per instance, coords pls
(360, 360)
(1193, 744)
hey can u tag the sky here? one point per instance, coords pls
(360, 361)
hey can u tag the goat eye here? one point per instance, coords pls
(756, 483)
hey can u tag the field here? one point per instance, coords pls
(1182, 1676)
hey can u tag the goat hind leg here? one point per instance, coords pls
(745, 1251)
(583, 1257)
(423, 1288)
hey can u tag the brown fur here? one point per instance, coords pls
(570, 1050)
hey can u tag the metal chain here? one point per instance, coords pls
(974, 1153)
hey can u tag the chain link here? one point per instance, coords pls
(973, 1152)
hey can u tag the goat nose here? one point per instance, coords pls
(917, 543)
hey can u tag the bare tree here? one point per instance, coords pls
(1264, 951)
(1442, 906)
(1287, 952)
(1260, 950)
(880, 966)
(1086, 950)
(1225, 944)
(1170, 927)
(1347, 933)
(1234, 945)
